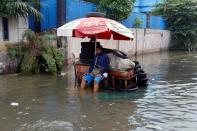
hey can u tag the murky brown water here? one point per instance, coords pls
(49, 103)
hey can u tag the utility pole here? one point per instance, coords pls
(61, 12)
(61, 20)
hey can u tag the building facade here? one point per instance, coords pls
(57, 12)
(62, 11)
(11, 30)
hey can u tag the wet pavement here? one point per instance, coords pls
(49, 103)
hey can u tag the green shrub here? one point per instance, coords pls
(15, 52)
(37, 55)
(181, 16)
(29, 64)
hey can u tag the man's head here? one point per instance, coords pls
(99, 49)
(92, 39)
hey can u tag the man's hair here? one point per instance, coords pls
(99, 46)
(92, 39)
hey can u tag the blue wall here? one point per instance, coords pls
(157, 22)
(147, 5)
(49, 11)
(131, 20)
(31, 22)
(137, 6)
(78, 8)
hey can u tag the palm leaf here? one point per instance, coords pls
(22, 9)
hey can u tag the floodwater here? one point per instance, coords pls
(49, 103)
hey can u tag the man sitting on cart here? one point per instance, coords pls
(98, 69)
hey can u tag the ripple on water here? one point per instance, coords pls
(194, 79)
(47, 126)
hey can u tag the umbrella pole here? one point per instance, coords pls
(95, 46)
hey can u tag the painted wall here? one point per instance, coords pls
(157, 22)
(144, 5)
(78, 8)
(75, 9)
(137, 6)
(131, 20)
(49, 11)
(141, 8)
(147, 5)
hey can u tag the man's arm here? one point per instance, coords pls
(106, 64)
(91, 66)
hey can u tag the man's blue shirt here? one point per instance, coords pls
(101, 61)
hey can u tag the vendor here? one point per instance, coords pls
(98, 69)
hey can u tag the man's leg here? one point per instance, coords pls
(97, 81)
(83, 82)
(89, 78)
(96, 86)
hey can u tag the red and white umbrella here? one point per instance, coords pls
(100, 28)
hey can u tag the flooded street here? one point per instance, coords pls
(49, 103)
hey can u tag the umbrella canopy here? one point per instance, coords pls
(100, 28)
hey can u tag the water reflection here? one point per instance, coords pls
(54, 103)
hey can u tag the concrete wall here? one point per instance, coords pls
(146, 41)
(7, 66)
(16, 29)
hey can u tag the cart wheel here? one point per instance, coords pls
(131, 87)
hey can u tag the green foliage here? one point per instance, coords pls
(50, 37)
(115, 9)
(14, 52)
(29, 35)
(29, 64)
(50, 62)
(181, 16)
(23, 8)
(38, 56)
(58, 56)
(138, 22)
